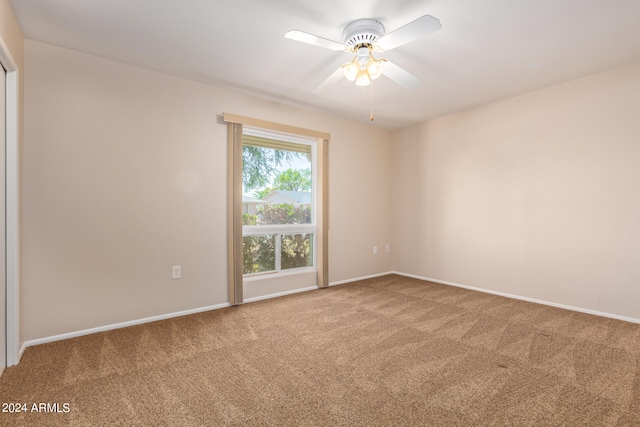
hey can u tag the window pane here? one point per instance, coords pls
(297, 251)
(258, 254)
(277, 185)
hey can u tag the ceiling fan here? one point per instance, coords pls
(365, 36)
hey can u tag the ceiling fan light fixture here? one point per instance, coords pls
(363, 78)
(351, 70)
(374, 68)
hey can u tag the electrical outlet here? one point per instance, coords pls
(176, 272)
(375, 250)
(388, 248)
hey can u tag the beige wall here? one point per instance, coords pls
(535, 196)
(125, 176)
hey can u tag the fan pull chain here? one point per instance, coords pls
(371, 116)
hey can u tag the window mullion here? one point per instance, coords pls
(278, 250)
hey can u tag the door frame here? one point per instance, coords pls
(12, 207)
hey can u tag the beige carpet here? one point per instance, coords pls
(390, 351)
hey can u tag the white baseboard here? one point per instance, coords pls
(80, 333)
(341, 282)
(280, 294)
(518, 297)
(23, 347)
(355, 279)
(117, 326)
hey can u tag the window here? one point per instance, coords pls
(278, 202)
(297, 242)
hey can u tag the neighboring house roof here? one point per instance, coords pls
(301, 197)
(247, 199)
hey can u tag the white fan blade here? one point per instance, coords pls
(331, 80)
(399, 75)
(414, 30)
(303, 37)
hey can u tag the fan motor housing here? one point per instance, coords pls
(362, 31)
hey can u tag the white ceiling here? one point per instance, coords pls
(486, 50)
